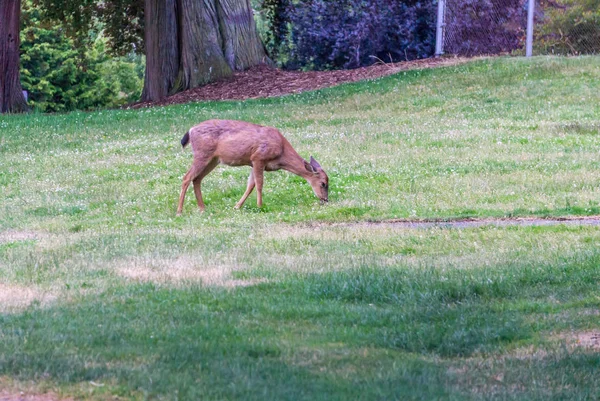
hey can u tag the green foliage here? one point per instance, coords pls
(59, 77)
(122, 21)
(570, 27)
(127, 73)
(322, 35)
(273, 27)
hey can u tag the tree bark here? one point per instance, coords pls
(204, 41)
(202, 58)
(241, 45)
(162, 48)
(11, 94)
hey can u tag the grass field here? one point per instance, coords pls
(105, 293)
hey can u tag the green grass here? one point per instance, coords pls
(105, 293)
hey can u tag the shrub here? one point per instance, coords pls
(321, 34)
(484, 26)
(59, 78)
(569, 27)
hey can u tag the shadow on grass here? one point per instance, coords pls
(206, 344)
(361, 334)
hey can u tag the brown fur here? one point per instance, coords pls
(239, 143)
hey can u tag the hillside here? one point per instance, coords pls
(105, 293)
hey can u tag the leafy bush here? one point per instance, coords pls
(58, 77)
(570, 27)
(321, 34)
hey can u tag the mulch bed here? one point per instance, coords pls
(264, 81)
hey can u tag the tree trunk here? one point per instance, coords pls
(205, 40)
(162, 49)
(202, 58)
(241, 45)
(11, 94)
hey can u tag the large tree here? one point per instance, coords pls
(11, 94)
(192, 42)
(187, 43)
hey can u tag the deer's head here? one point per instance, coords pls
(317, 179)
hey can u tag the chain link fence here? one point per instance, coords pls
(477, 27)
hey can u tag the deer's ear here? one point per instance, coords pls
(314, 163)
(309, 167)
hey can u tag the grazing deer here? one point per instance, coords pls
(239, 143)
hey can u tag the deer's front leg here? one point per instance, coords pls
(249, 189)
(258, 170)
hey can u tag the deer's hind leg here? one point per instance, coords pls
(198, 180)
(197, 168)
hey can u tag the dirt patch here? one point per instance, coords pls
(181, 271)
(503, 222)
(474, 222)
(16, 297)
(264, 81)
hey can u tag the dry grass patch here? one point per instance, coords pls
(332, 231)
(22, 396)
(582, 339)
(15, 236)
(41, 239)
(181, 271)
(15, 297)
(11, 390)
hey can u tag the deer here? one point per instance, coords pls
(240, 143)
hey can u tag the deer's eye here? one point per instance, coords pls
(323, 185)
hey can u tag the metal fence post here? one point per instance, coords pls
(529, 46)
(439, 32)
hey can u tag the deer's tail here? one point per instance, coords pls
(186, 139)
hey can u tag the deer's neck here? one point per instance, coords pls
(294, 163)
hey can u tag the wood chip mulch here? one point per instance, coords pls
(264, 81)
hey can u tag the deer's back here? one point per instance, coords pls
(236, 143)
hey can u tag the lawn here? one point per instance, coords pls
(105, 293)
